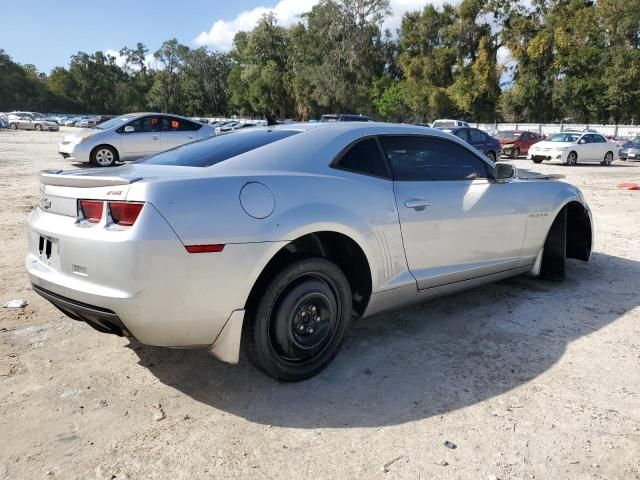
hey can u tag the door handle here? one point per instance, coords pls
(416, 203)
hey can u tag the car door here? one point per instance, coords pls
(584, 148)
(603, 147)
(177, 131)
(141, 137)
(463, 134)
(477, 140)
(525, 143)
(457, 223)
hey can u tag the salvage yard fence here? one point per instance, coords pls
(618, 131)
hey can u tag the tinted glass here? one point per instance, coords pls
(463, 133)
(214, 150)
(508, 135)
(444, 124)
(476, 136)
(431, 159)
(364, 157)
(146, 124)
(173, 124)
(599, 139)
(587, 139)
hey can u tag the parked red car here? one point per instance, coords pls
(514, 143)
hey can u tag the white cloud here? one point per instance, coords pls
(221, 34)
(120, 60)
(149, 60)
(222, 31)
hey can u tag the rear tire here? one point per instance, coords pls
(608, 159)
(537, 160)
(492, 156)
(104, 156)
(299, 324)
(13, 126)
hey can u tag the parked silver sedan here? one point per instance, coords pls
(274, 239)
(130, 137)
(27, 121)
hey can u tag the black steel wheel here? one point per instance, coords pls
(301, 321)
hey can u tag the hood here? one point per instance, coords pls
(507, 141)
(77, 135)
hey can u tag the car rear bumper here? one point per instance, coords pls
(141, 281)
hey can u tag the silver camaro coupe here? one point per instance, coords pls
(274, 239)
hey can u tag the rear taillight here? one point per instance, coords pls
(124, 213)
(91, 210)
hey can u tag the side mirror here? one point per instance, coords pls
(581, 142)
(129, 129)
(505, 171)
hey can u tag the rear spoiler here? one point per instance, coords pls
(58, 178)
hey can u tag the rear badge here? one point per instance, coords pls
(114, 192)
(78, 270)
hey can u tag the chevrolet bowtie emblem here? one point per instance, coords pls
(45, 203)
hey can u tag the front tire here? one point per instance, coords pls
(299, 324)
(515, 153)
(38, 127)
(572, 159)
(492, 156)
(104, 156)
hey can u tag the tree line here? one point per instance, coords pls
(567, 59)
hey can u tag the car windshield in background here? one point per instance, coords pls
(506, 135)
(205, 153)
(444, 124)
(636, 141)
(115, 122)
(565, 137)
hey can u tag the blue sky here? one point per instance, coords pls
(47, 33)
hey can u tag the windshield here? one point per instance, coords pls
(115, 122)
(508, 135)
(635, 141)
(565, 137)
(210, 151)
(443, 124)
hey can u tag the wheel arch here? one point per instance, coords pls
(115, 149)
(332, 245)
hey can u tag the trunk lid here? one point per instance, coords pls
(60, 190)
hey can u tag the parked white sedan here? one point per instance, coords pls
(572, 148)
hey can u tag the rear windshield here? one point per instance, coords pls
(443, 124)
(210, 151)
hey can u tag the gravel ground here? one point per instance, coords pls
(527, 379)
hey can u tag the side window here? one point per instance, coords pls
(463, 134)
(146, 124)
(415, 158)
(364, 157)
(525, 137)
(476, 136)
(173, 124)
(599, 139)
(588, 138)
